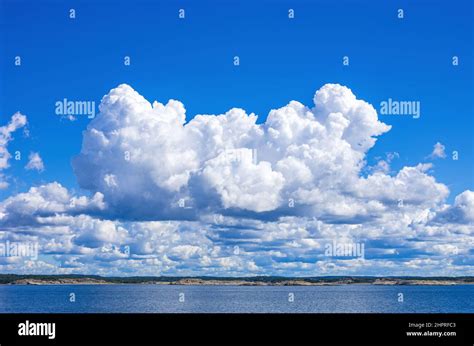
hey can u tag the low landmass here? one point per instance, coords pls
(14, 279)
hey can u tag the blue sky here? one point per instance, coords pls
(191, 60)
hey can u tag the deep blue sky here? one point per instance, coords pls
(192, 60)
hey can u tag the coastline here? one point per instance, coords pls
(7, 279)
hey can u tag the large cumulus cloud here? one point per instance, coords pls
(227, 195)
(144, 158)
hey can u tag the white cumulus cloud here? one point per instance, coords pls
(225, 195)
(142, 154)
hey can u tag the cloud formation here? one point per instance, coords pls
(137, 153)
(16, 122)
(462, 211)
(35, 162)
(438, 151)
(225, 195)
(43, 201)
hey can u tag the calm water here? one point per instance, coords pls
(157, 298)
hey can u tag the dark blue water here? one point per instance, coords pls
(264, 299)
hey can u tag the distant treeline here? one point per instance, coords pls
(9, 278)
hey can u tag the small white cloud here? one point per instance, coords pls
(438, 151)
(17, 121)
(3, 184)
(35, 162)
(383, 165)
(69, 117)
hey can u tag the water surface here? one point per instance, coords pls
(143, 298)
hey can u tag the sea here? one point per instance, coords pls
(152, 298)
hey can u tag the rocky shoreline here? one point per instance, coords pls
(243, 281)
